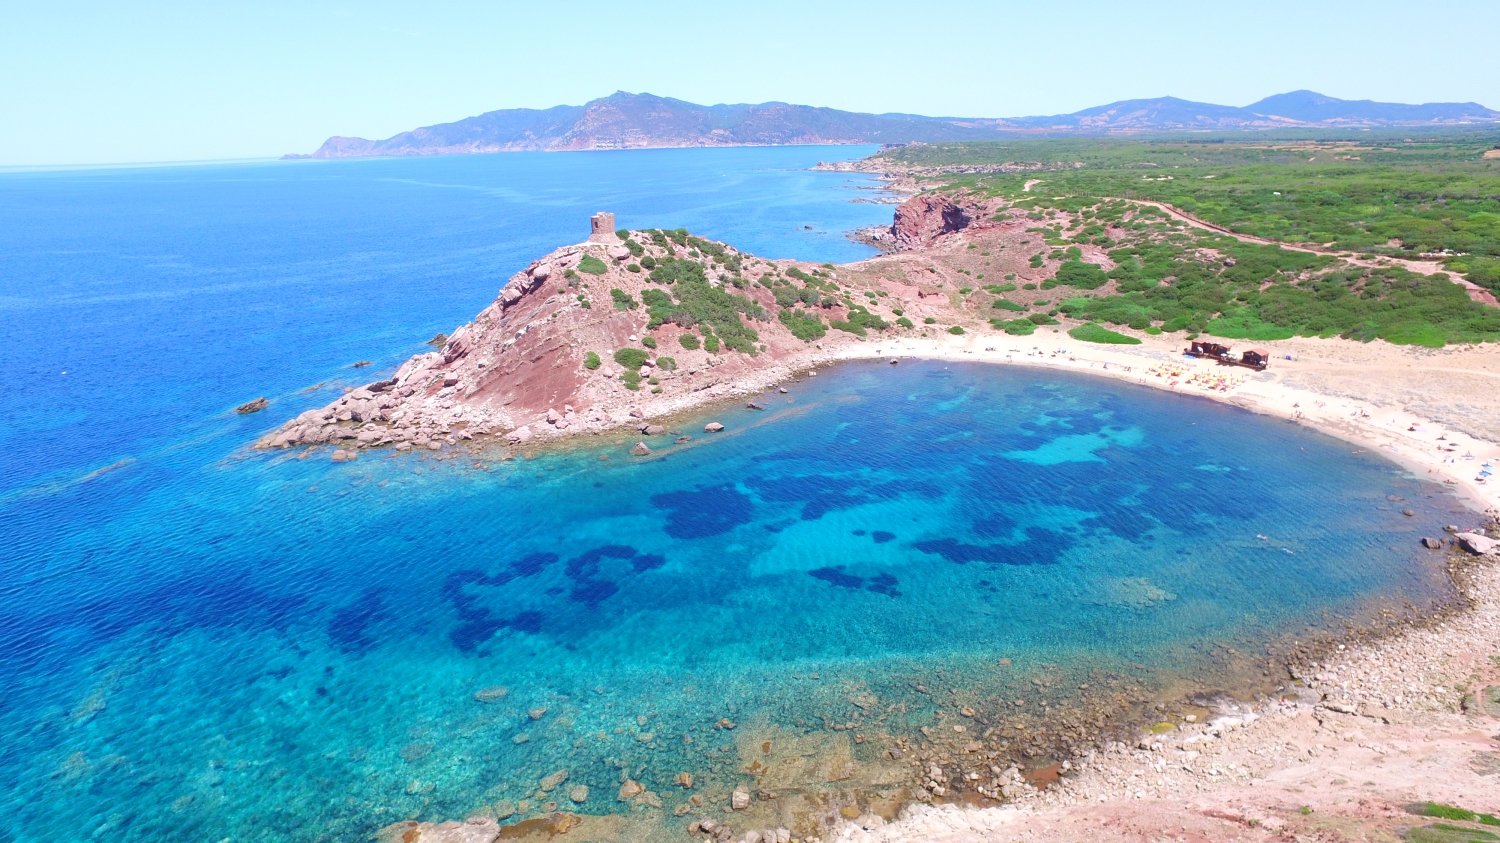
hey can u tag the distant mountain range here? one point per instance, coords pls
(637, 121)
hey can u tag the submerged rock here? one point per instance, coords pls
(252, 406)
(472, 830)
(640, 450)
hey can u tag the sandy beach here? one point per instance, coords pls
(1374, 395)
(1343, 752)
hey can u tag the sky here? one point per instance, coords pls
(169, 80)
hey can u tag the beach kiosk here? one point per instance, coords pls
(1212, 350)
(1256, 358)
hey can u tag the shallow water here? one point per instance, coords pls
(205, 642)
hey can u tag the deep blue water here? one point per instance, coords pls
(204, 642)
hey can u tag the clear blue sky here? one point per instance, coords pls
(158, 80)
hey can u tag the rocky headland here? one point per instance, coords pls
(637, 325)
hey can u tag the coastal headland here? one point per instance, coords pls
(632, 330)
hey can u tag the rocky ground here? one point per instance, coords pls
(1342, 754)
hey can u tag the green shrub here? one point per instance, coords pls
(700, 303)
(633, 267)
(803, 325)
(1085, 276)
(690, 342)
(592, 265)
(1007, 304)
(929, 321)
(631, 358)
(623, 300)
(591, 361)
(649, 342)
(1093, 332)
(711, 343)
(648, 262)
(666, 364)
(1015, 327)
(956, 329)
(632, 379)
(622, 233)
(859, 321)
(1453, 812)
(905, 323)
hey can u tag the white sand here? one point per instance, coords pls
(1372, 395)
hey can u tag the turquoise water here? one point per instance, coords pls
(205, 642)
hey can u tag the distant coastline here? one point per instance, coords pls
(645, 121)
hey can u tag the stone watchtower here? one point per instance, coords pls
(601, 227)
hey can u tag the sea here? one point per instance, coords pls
(200, 641)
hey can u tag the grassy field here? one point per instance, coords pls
(1378, 195)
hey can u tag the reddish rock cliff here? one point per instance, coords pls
(923, 219)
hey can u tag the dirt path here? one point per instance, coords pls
(1421, 267)
(1030, 183)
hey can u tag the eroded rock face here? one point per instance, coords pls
(922, 219)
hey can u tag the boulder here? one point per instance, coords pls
(1432, 543)
(1477, 544)
(653, 429)
(740, 799)
(343, 455)
(252, 406)
(754, 406)
(713, 427)
(542, 272)
(619, 253)
(579, 794)
(629, 789)
(520, 435)
(640, 450)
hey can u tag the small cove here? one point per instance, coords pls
(833, 580)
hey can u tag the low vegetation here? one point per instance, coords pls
(1092, 332)
(592, 265)
(1409, 195)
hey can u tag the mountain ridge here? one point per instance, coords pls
(626, 120)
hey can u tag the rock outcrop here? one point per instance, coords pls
(542, 359)
(922, 219)
(1477, 544)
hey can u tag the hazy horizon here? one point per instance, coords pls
(100, 84)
